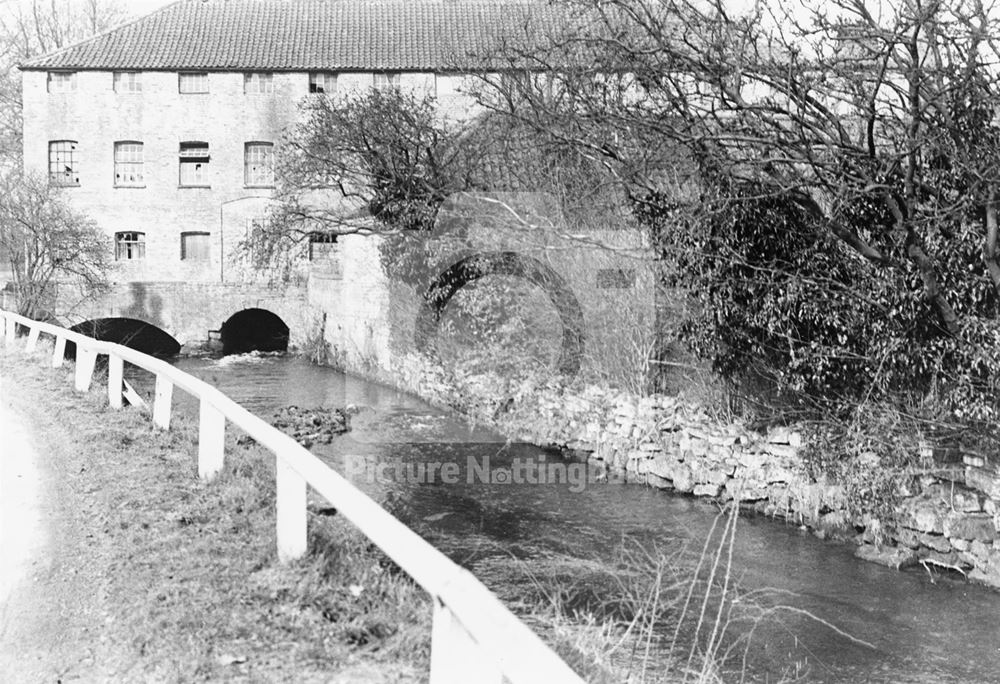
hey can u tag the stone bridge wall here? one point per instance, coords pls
(189, 311)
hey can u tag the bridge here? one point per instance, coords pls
(236, 317)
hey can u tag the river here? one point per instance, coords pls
(914, 628)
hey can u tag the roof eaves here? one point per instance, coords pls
(36, 63)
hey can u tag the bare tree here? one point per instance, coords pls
(29, 28)
(875, 119)
(384, 155)
(48, 244)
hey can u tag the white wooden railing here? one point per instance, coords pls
(474, 637)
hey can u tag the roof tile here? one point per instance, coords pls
(291, 35)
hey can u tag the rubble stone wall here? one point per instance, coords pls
(949, 518)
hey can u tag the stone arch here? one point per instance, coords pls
(130, 332)
(254, 330)
(477, 266)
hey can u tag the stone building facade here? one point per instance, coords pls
(165, 130)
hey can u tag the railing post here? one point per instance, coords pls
(456, 658)
(116, 369)
(11, 331)
(59, 353)
(29, 348)
(162, 402)
(85, 360)
(211, 441)
(291, 512)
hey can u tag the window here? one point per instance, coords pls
(383, 80)
(130, 246)
(195, 246)
(256, 83)
(323, 254)
(323, 82)
(322, 245)
(192, 82)
(128, 81)
(64, 163)
(62, 81)
(128, 164)
(258, 164)
(194, 160)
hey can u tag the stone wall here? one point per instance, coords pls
(372, 312)
(947, 519)
(191, 311)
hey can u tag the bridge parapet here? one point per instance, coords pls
(189, 311)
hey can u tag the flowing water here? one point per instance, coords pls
(914, 628)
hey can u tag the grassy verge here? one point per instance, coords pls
(191, 589)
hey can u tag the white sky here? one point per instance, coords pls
(140, 7)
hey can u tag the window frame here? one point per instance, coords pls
(258, 181)
(119, 145)
(134, 82)
(191, 159)
(326, 77)
(74, 164)
(201, 75)
(318, 238)
(71, 81)
(136, 244)
(208, 246)
(391, 80)
(258, 82)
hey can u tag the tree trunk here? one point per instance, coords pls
(990, 246)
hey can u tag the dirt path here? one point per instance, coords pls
(129, 568)
(51, 612)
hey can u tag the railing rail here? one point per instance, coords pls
(474, 637)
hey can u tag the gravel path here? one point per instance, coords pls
(51, 614)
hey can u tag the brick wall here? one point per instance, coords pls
(95, 116)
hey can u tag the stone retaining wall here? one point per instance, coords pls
(949, 518)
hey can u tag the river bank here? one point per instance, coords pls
(149, 574)
(947, 517)
(556, 554)
(173, 579)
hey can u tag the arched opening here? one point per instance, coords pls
(473, 268)
(254, 330)
(130, 332)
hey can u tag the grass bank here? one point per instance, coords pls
(185, 581)
(186, 585)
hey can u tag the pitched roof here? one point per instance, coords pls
(276, 35)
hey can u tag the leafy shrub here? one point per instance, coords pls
(802, 322)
